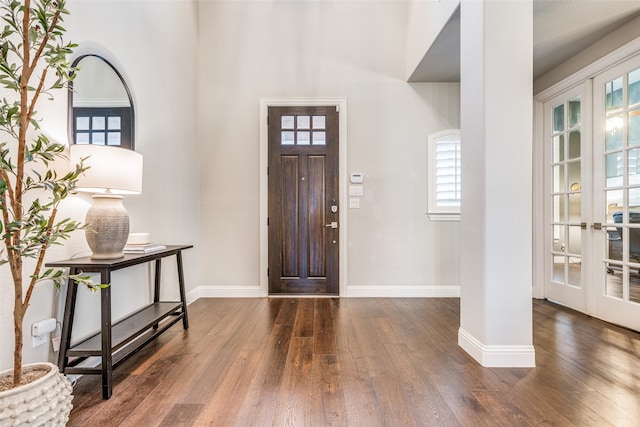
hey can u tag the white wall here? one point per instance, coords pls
(153, 44)
(426, 21)
(354, 49)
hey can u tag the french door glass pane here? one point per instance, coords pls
(558, 208)
(613, 93)
(613, 285)
(575, 207)
(633, 165)
(574, 144)
(613, 203)
(575, 272)
(613, 169)
(558, 118)
(634, 287)
(573, 170)
(574, 241)
(613, 135)
(558, 269)
(558, 179)
(634, 128)
(559, 241)
(574, 112)
(634, 87)
(634, 203)
(558, 148)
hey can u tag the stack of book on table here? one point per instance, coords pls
(142, 248)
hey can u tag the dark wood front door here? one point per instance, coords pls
(303, 200)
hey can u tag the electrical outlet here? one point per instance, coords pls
(40, 340)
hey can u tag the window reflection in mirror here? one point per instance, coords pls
(100, 107)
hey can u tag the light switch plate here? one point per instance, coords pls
(356, 190)
(354, 203)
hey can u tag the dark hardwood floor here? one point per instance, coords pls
(364, 362)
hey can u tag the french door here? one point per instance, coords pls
(568, 180)
(617, 193)
(592, 151)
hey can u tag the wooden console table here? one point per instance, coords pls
(115, 343)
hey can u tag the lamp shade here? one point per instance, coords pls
(111, 169)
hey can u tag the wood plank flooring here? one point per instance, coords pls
(364, 362)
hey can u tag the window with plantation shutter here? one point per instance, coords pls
(444, 176)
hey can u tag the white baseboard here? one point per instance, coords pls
(352, 292)
(403, 292)
(224, 292)
(497, 356)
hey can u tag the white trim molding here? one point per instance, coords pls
(229, 291)
(497, 356)
(403, 291)
(427, 291)
(265, 103)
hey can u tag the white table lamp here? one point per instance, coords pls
(113, 171)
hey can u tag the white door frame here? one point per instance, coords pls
(341, 105)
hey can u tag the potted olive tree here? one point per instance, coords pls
(33, 63)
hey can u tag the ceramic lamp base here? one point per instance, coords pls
(107, 226)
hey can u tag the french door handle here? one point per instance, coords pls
(332, 224)
(597, 226)
(583, 225)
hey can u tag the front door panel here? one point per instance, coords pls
(303, 200)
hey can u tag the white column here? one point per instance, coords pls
(496, 225)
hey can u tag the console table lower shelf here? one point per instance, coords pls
(127, 336)
(114, 343)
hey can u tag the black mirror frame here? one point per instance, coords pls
(71, 117)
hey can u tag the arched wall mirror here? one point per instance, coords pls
(100, 105)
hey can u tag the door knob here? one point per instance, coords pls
(333, 224)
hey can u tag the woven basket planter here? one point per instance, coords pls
(43, 402)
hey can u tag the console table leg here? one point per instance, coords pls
(183, 295)
(67, 322)
(156, 284)
(105, 315)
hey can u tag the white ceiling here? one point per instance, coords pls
(561, 29)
